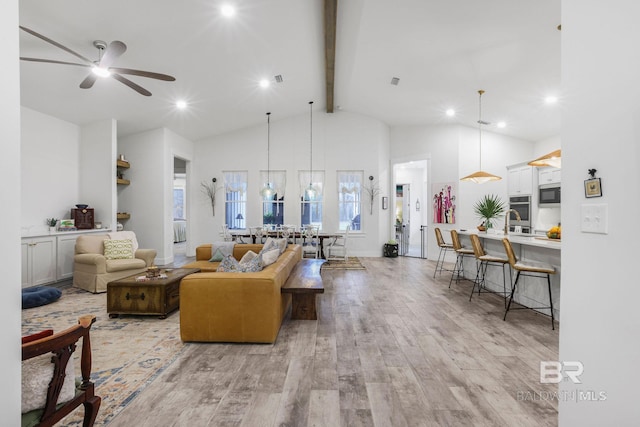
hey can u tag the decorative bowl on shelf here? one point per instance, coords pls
(81, 206)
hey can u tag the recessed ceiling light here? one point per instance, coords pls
(227, 10)
(551, 99)
(451, 112)
(264, 83)
(181, 104)
(501, 124)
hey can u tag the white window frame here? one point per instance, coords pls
(350, 185)
(235, 198)
(316, 179)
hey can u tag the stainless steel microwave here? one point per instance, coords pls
(549, 195)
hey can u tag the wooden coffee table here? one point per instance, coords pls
(155, 296)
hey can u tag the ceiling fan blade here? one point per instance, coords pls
(131, 84)
(141, 73)
(53, 61)
(56, 44)
(113, 51)
(88, 82)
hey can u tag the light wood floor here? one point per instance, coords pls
(392, 347)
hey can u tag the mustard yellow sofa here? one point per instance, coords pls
(235, 307)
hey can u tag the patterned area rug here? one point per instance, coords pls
(128, 351)
(353, 263)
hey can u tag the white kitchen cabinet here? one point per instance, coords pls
(549, 176)
(520, 181)
(65, 251)
(38, 261)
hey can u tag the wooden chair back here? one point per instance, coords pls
(455, 240)
(61, 346)
(510, 253)
(439, 238)
(478, 250)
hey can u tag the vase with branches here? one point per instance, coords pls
(210, 190)
(372, 190)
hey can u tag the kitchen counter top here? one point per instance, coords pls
(519, 238)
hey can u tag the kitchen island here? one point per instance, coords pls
(531, 292)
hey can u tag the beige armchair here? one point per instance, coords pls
(92, 270)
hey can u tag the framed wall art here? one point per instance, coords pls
(592, 188)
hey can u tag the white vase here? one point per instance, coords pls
(52, 229)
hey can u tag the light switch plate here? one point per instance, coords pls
(593, 218)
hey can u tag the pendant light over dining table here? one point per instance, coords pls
(480, 176)
(267, 191)
(553, 159)
(310, 192)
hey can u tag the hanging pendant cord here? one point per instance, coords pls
(268, 148)
(310, 143)
(480, 123)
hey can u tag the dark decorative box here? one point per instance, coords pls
(391, 250)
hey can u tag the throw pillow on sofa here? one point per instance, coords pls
(217, 257)
(248, 257)
(270, 256)
(281, 244)
(118, 249)
(228, 265)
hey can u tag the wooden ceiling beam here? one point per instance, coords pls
(330, 18)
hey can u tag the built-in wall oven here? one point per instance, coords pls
(522, 205)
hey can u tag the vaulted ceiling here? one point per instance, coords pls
(442, 52)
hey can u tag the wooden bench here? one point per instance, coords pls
(303, 284)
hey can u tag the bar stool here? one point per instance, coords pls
(444, 247)
(532, 269)
(484, 260)
(461, 252)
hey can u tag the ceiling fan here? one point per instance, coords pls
(107, 54)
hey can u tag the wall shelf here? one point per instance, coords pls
(123, 164)
(122, 181)
(122, 215)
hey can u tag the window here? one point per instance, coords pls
(235, 199)
(350, 199)
(273, 207)
(311, 201)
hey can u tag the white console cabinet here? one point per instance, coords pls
(38, 261)
(520, 181)
(49, 258)
(65, 250)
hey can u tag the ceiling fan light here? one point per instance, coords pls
(553, 159)
(480, 177)
(101, 72)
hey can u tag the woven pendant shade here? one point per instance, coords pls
(553, 159)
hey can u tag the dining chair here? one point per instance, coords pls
(485, 260)
(337, 249)
(461, 252)
(444, 248)
(532, 269)
(311, 241)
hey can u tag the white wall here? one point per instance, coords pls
(547, 145)
(10, 244)
(97, 167)
(49, 168)
(146, 197)
(341, 141)
(600, 321)
(453, 152)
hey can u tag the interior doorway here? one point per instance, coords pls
(179, 207)
(410, 185)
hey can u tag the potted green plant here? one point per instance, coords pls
(51, 222)
(488, 208)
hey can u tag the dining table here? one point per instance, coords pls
(297, 236)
